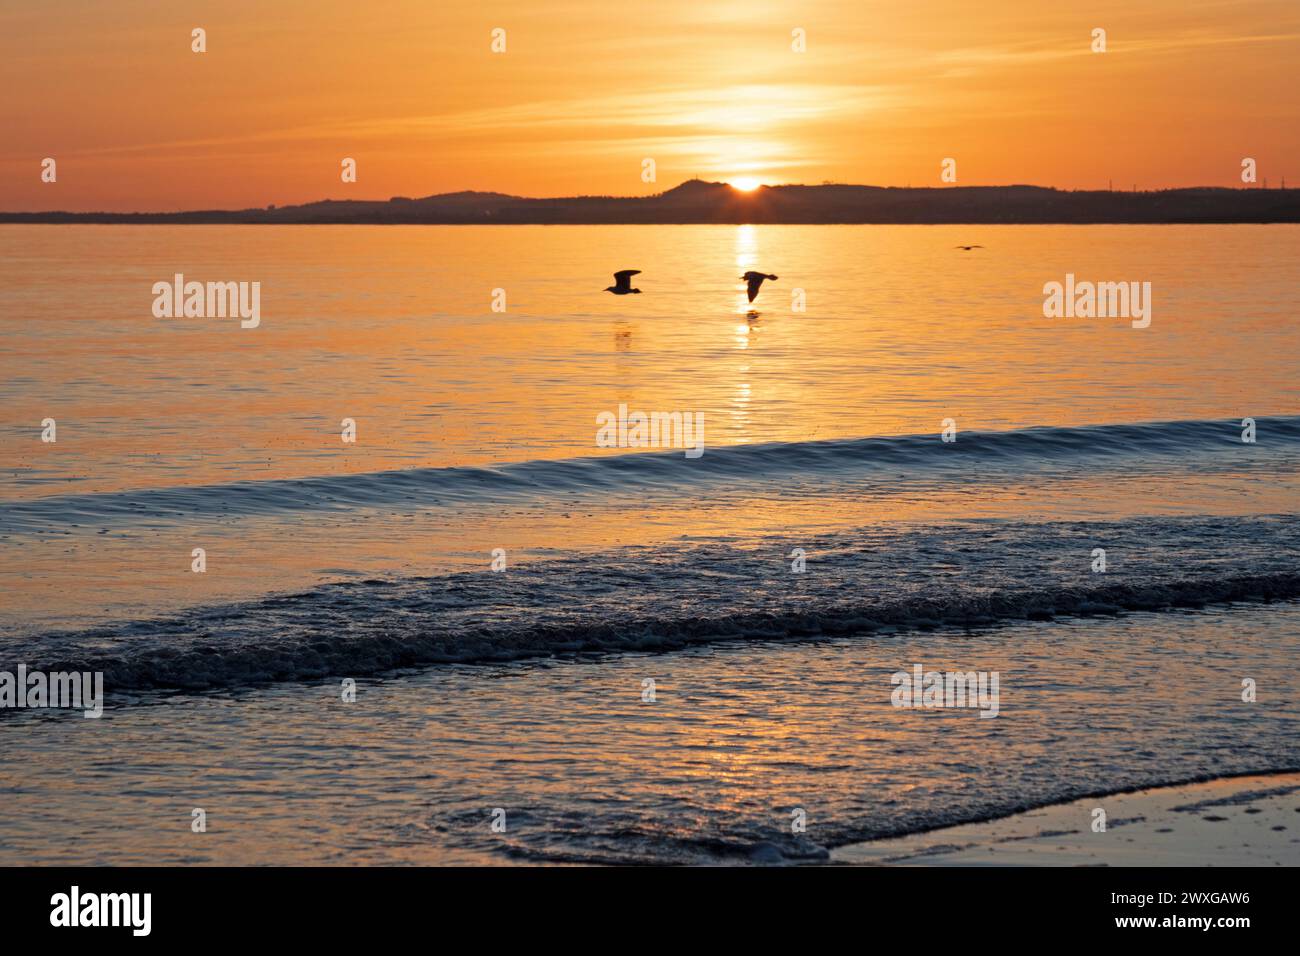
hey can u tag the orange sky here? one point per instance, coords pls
(589, 88)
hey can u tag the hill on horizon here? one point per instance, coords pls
(699, 201)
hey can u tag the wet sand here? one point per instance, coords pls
(1237, 821)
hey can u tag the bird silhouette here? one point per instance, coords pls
(623, 283)
(755, 281)
(968, 248)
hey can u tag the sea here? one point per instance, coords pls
(373, 581)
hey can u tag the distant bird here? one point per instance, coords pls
(755, 280)
(968, 248)
(623, 283)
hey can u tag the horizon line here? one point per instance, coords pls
(737, 193)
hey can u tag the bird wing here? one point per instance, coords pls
(626, 275)
(755, 280)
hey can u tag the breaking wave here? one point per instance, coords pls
(972, 574)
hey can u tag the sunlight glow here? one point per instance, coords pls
(744, 183)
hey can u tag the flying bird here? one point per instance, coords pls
(968, 248)
(755, 281)
(623, 283)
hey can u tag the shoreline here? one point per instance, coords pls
(1244, 820)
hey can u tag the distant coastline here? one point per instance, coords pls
(696, 201)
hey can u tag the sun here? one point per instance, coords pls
(745, 184)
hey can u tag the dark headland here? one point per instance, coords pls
(697, 201)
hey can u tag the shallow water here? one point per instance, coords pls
(657, 598)
(738, 737)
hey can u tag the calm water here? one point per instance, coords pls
(392, 326)
(476, 430)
